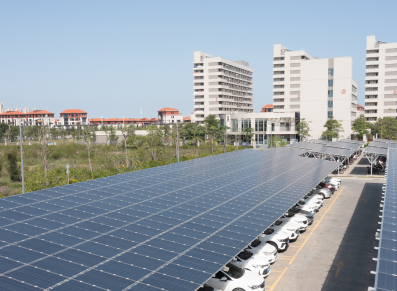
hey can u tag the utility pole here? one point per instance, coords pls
(20, 137)
(177, 139)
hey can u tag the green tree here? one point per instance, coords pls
(88, 134)
(211, 126)
(361, 126)
(154, 142)
(13, 169)
(303, 129)
(3, 130)
(195, 133)
(333, 128)
(386, 128)
(248, 134)
(126, 131)
(222, 135)
(112, 137)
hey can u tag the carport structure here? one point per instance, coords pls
(360, 142)
(337, 144)
(386, 268)
(165, 228)
(325, 152)
(378, 148)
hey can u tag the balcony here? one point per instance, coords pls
(371, 89)
(371, 97)
(278, 73)
(372, 52)
(371, 81)
(372, 59)
(278, 100)
(276, 80)
(371, 105)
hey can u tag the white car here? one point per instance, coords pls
(336, 180)
(300, 213)
(279, 239)
(205, 287)
(315, 199)
(263, 249)
(306, 207)
(299, 220)
(232, 278)
(325, 192)
(247, 260)
(332, 182)
(290, 228)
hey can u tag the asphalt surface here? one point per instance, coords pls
(337, 250)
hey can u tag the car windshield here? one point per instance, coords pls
(234, 271)
(256, 243)
(245, 255)
(278, 222)
(269, 231)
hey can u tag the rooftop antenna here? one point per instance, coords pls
(141, 111)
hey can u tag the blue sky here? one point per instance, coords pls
(111, 57)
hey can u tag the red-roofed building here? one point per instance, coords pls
(169, 115)
(360, 110)
(73, 117)
(40, 117)
(120, 121)
(187, 119)
(12, 117)
(268, 108)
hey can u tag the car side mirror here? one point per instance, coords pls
(224, 279)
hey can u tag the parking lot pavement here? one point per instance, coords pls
(336, 251)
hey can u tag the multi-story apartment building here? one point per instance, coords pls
(40, 117)
(221, 86)
(169, 115)
(72, 117)
(314, 89)
(380, 79)
(287, 78)
(12, 117)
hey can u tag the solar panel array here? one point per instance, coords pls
(336, 144)
(386, 270)
(164, 228)
(385, 140)
(334, 151)
(382, 144)
(306, 145)
(376, 151)
(360, 142)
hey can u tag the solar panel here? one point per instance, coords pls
(334, 151)
(170, 227)
(360, 142)
(376, 150)
(386, 270)
(382, 144)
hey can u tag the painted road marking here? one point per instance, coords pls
(364, 200)
(293, 258)
(339, 265)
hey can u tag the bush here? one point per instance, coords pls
(13, 168)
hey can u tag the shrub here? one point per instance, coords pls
(13, 168)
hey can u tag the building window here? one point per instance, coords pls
(234, 125)
(259, 125)
(330, 93)
(273, 127)
(245, 123)
(330, 72)
(330, 83)
(330, 104)
(330, 113)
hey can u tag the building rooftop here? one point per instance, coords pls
(268, 106)
(73, 111)
(168, 109)
(39, 112)
(12, 113)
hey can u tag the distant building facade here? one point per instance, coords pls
(169, 115)
(380, 79)
(220, 87)
(72, 117)
(268, 108)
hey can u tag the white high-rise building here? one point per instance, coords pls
(1, 107)
(26, 110)
(221, 87)
(314, 89)
(380, 79)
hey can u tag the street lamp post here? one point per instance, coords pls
(20, 138)
(177, 139)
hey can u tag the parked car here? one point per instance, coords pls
(207, 288)
(299, 220)
(329, 186)
(325, 192)
(308, 215)
(279, 239)
(263, 249)
(291, 229)
(232, 278)
(339, 181)
(305, 207)
(332, 182)
(247, 260)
